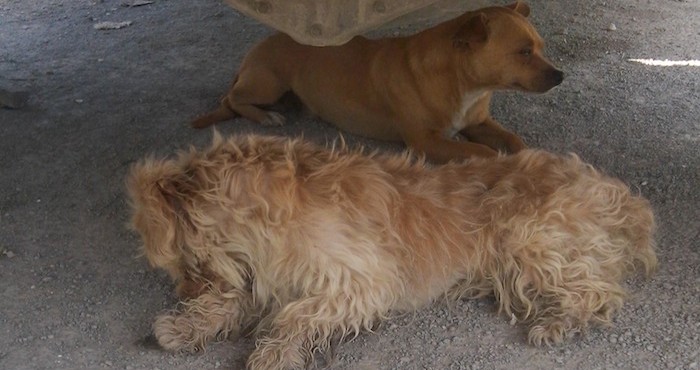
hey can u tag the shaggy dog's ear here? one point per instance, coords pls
(153, 188)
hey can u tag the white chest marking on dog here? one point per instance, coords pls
(468, 100)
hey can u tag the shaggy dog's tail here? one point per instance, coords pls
(639, 227)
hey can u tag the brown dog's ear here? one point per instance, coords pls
(473, 32)
(520, 7)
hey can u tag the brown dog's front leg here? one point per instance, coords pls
(441, 150)
(492, 134)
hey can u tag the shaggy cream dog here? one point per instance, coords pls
(308, 244)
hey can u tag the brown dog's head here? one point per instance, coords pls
(503, 50)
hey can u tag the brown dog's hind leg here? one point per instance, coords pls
(493, 135)
(254, 88)
(222, 113)
(212, 315)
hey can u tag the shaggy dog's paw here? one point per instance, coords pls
(149, 342)
(278, 355)
(550, 331)
(176, 333)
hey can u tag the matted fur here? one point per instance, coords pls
(312, 244)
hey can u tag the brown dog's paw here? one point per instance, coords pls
(273, 119)
(516, 144)
(508, 143)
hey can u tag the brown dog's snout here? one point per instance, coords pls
(549, 78)
(556, 76)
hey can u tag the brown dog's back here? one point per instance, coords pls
(425, 89)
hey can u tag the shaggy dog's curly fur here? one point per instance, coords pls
(309, 244)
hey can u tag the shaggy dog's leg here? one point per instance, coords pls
(303, 326)
(559, 291)
(201, 319)
(564, 270)
(570, 308)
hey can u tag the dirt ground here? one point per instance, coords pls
(75, 295)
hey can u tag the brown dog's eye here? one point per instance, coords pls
(526, 52)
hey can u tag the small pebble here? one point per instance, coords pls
(612, 27)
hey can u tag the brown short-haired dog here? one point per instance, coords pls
(425, 89)
(312, 244)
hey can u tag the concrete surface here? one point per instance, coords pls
(75, 295)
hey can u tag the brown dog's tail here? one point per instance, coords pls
(223, 113)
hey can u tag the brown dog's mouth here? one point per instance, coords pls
(538, 89)
(516, 86)
(545, 82)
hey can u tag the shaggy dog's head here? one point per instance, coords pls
(156, 188)
(174, 201)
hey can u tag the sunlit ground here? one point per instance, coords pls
(667, 63)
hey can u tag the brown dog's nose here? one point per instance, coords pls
(556, 76)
